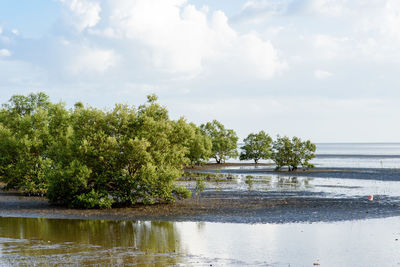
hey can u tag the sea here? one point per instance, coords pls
(358, 155)
(354, 155)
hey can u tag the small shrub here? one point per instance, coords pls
(249, 181)
(181, 192)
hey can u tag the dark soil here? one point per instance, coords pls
(212, 206)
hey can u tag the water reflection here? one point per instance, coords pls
(257, 182)
(49, 242)
(288, 183)
(89, 241)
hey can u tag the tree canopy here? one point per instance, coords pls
(256, 146)
(91, 158)
(200, 146)
(86, 157)
(292, 153)
(224, 141)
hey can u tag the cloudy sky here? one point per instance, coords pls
(328, 70)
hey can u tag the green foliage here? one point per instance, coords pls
(26, 105)
(292, 153)
(66, 182)
(127, 156)
(28, 125)
(92, 200)
(90, 158)
(256, 146)
(249, 181)
(181, 192)
(200, 146)
(224, 141)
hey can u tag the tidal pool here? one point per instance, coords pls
(29, 241)
(327, 187)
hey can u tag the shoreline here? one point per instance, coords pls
(227, 206)
(379, 174)
(246, 208)
(233, 206)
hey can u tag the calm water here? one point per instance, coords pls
(358, 155)
(27, 241)
(371, 149)
(328, 187)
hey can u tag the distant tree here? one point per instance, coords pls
(200, 146)
(224, 141)
(256, 146)
(78, 105)
(292, 153)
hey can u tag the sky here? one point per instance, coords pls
(325, 70)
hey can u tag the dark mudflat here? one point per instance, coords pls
(229, 206)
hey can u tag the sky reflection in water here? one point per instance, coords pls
(351, 243)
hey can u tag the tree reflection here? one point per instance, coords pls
(292, 183)
(92, 241)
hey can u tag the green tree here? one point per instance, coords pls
(26, 105)
(90, 158)
(29, 125)
(256, 146)
(224, 141)
(200, 146)
(292, 153)
(125, 156)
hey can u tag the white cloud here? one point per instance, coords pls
(385, 21)
(273, 7)
(84, 13)
(206, 65)
(15, 31)
(256, 11)
(329, 46)
(179, 36)
(329, 7)
(5, 53)
(321, 74)
(274, 30)
(1, 30)
(88, 60)
(183, 39)
(257, 58)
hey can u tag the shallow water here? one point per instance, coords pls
(325, 187)
(27, 241)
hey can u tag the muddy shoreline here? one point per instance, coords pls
(233, 206)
